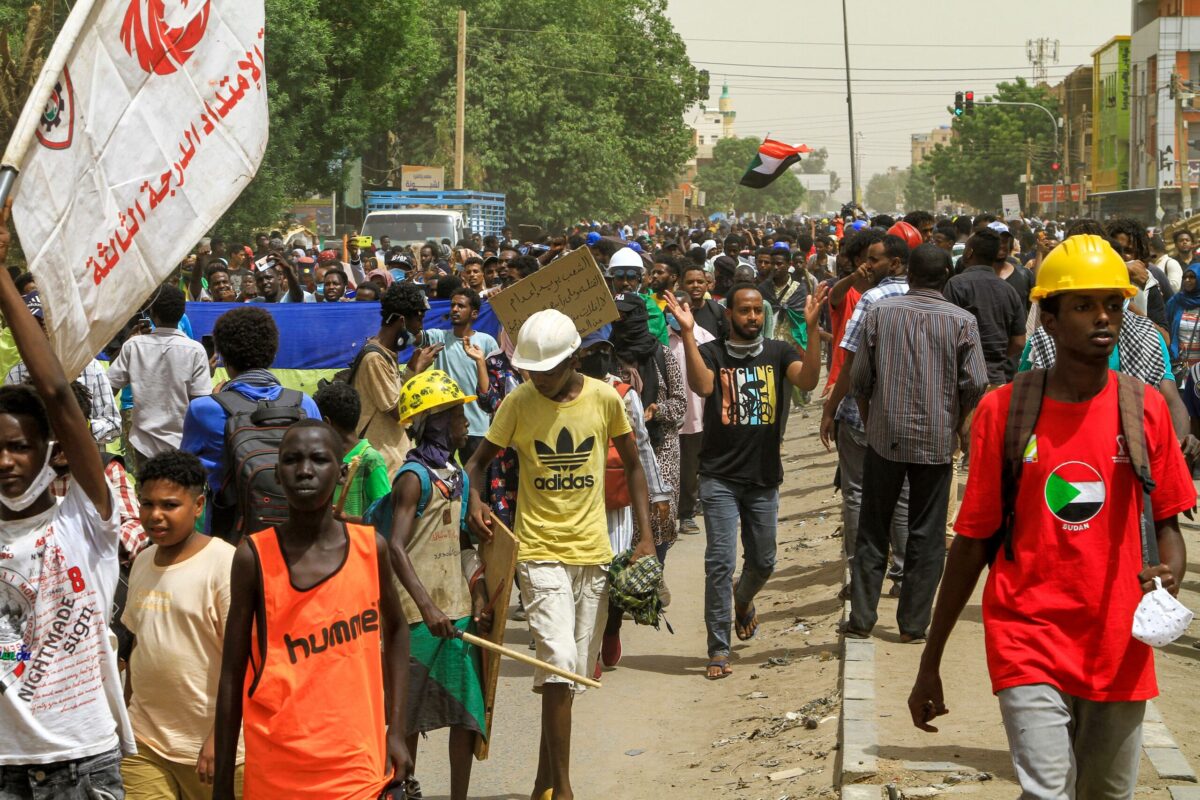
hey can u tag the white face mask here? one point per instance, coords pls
(39, 485)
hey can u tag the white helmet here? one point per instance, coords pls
(545, 341)
(625, 258)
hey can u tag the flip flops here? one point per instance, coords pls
(746, 624)
(720, 663)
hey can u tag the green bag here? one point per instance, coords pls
(633, 587)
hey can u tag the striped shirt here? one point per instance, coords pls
(104, 419)
(921, 367)
(893, 286)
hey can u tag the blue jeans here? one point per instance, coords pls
(725, 505)
(94, 778)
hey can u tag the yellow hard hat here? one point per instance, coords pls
(429, 392)
(1082, 263)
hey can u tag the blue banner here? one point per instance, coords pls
(327, 335)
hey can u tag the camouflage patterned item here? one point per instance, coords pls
(634, 587)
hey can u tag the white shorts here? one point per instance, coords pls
(562, 602)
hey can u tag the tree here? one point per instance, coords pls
(718, 179)
(25, 36)
(919, 189)
(570, 121)
(986, 156)
(885, 191)
(338, 73)
(814, 164)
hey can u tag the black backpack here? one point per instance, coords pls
(250, 499)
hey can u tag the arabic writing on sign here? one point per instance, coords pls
(573, 284)
(230, 91)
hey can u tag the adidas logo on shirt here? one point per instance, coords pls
(563, 460)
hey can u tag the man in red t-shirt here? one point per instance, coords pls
(1071, 680)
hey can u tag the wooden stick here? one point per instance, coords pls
(350, 476)
(526, 659)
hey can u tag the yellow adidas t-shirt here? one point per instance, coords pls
(561, 448)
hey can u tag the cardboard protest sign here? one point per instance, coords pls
(500, 566)
(573, 284)
(1011, 205)
(146, 124)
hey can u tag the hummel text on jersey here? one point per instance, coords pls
(339, 632)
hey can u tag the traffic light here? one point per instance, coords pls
(958, 104)
(970, 103)
(1054, 167)
(703, 84)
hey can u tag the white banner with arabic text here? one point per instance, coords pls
(152, 129)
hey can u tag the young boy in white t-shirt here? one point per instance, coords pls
(176, 610)
(63, 727)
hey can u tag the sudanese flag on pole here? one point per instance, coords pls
(147, 122)
(772, 160)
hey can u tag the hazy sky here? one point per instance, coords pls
(785, 65)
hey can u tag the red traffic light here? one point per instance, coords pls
(1054, 166)
(970, 96)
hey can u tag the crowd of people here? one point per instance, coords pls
(200, 569)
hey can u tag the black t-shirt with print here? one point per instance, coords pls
(745, 416)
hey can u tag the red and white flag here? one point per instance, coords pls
(149, 120)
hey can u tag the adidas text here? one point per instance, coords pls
(563, 483)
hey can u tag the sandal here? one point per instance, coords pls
(720, 664)
(412, 789)
(746, 625)
(852, 633)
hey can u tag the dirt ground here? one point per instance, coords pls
(659, 730)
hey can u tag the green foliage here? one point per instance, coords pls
(577, 115)
(986, 157)
(719, 180)
(338, 74)
(919, 188)
(568, 119)
(885, 191)
(815, 163)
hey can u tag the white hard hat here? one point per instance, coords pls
(545, 341)
(626, 257)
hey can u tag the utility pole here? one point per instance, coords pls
(858, 165)
(850, 106)
(1181, 147)
(461, 110)
(1028, 175)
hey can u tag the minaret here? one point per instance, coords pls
(728, 115)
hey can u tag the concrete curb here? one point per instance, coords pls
(858, 737)
(1164, 754)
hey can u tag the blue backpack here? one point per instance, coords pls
(380, 515)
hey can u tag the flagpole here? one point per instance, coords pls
(26, 127)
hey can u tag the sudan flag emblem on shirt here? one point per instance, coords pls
(1074, 492)
(772, 160)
